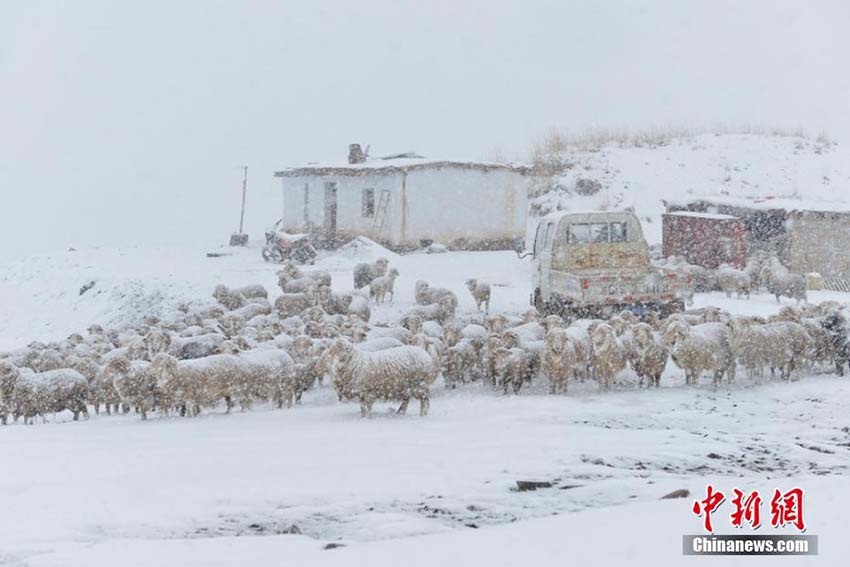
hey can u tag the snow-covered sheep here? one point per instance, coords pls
(701, 347)
(379, 343)
(411, 321)
(198, 346)
(559, 359)
(360, 307)
(732, 280)
(649, 354)
(382, 286)
(780, 345)
(495, 323)
(27, 394)
(271, 375)
(432, 329)
(583, 348)
(155, 342)
(552, 322)
(398, 373)
(228, 298)
(427, 295)
(488, 359)
(441, 311)
(127, 381)
(364, 273)
(512, 367)
(780, 282)
(460, 364)
(189, 385)
(835, 326)
(334, 303)
(252, 309)
(480, 292)
(608, 357)
(291, 304)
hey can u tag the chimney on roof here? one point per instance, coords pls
(355, 154)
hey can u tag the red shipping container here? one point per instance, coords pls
(705, 239)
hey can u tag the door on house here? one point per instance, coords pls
(330, 213)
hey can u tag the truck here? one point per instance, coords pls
(597, 263)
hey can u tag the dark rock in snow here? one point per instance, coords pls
(86, 286)
(333, 545)
(681, 493)
(526, 485)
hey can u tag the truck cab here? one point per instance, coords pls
(595, 263)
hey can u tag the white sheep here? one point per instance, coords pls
(559, 359)
(441, 311)
(460, 364)
(512, 368)
(649, 354)
(382, 286)
(133, 384)
(26, 394)
(780, 282)
(732, 280)
(608, 357)
(427, 295)
(291, 304)
(398, 373)
(364, 273)
(701, 347)
(781, 345)
(480, 292)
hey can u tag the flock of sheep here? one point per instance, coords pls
(761, 269)
(244, 349)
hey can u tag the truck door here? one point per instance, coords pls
(545, 236)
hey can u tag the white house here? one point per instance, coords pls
(406, 200)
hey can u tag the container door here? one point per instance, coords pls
(330, 213)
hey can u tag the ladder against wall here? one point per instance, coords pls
(381, 210)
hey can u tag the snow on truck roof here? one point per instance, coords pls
(557, 215)
(393, 164)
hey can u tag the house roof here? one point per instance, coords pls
(765, 203)
(393, 164)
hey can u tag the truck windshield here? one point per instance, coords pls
(587, 233)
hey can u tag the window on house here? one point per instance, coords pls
(368, 203)
(306, 203)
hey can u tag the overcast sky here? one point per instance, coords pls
(126, 122)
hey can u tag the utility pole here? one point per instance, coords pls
(240, 238)
(244, 191)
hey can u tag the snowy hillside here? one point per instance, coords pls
(747, 167)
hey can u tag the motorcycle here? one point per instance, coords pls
(281, 247)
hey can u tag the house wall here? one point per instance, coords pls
(459, 206)
(819, 242)
(350, 219)
(467, 208)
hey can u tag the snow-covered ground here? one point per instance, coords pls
(220, 489)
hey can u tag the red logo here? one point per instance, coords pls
(746, 509)
(785, 508)
(708, 505)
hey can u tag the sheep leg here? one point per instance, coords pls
(365, 408)
(402, 409)
(424, 404)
